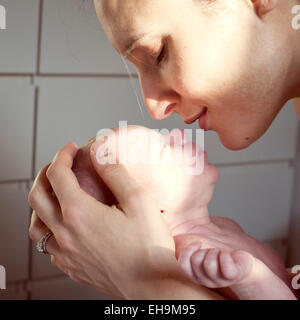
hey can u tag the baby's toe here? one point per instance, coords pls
(205, 267)
(235, 266)
(211, 263)
(184, 259)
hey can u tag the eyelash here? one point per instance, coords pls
(161, 55)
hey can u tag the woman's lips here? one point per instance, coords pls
(203, 121)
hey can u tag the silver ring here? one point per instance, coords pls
(41, 245)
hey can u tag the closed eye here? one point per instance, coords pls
(161, 55)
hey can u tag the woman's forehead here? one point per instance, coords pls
(127, 20)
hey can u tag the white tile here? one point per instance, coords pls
(279, 142)
(258, 197)
(19, 41)
(64, 289)
(14, 221)
(16, 128)
(73, 40)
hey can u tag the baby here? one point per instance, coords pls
(214, 251)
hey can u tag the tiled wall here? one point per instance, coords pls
(61, 80)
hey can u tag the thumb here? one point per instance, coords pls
(129, 193)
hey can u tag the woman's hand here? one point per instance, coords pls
(113, 249)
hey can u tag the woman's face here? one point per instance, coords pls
(197, 55)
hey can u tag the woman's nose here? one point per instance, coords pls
(160, 98)
(160, 110)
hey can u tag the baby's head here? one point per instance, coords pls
(161, 163)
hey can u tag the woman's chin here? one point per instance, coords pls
(235, 142)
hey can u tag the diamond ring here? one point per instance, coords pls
(41, 245)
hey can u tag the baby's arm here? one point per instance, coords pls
(246, 276)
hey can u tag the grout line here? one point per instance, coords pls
(35, 125)
(15, 181)
(40, 279)
(34, 142)
(30, 256)
(39, 40)
(11, 74)
(47, 278)
(67, 75)
(84, 75)
(255, 162)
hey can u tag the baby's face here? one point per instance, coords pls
(159, 162)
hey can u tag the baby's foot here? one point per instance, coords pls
(246, 276)
(216, 268)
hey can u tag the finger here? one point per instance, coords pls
(41, 178)
(42, 201)
(129, 193)
(38, 229)
(61, 176)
